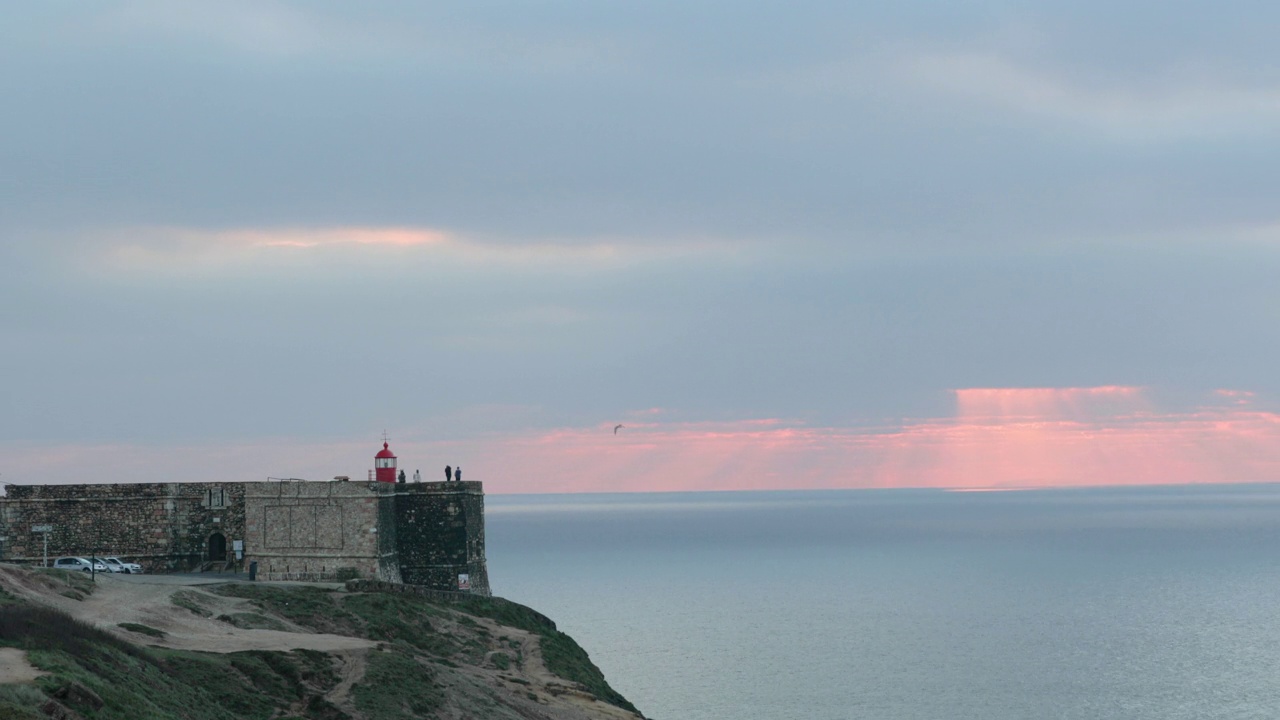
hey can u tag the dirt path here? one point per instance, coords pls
(14, 667)
(118, 600)
(555, 690)
(354, 663)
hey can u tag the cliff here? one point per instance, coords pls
(158, 647)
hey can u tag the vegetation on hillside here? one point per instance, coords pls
(409, 674)
(100, 675)
(440, 630)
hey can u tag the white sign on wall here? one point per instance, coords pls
(464, 581)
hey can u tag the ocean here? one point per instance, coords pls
(1158, 603)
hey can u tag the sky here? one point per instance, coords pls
(989, 244)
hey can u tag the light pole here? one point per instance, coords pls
(44, 530)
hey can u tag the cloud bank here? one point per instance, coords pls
(1000, 438)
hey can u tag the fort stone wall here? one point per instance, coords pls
(163, 526)
(425, 534)
(440, 535)
(299, 530)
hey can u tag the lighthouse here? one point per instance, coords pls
(384, 464)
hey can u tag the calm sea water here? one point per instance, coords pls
(1133, 603)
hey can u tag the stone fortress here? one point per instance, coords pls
(418, 533)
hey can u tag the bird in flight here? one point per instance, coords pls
(616, 428)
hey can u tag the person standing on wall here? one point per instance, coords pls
(448, 473)
(457, 474)
(401, 477)
(417, 476)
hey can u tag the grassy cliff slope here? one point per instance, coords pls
(129, 651)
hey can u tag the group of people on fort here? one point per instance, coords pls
(451, 474)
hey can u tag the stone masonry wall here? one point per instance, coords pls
(299, 530)
(426, 534)
(162, 526)
(440, 534)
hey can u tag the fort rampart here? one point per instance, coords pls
(440, 534)
(298, 530)
(427, 534)
(163, 526)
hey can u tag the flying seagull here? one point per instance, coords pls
(616, 428)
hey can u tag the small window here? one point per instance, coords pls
(214, 498)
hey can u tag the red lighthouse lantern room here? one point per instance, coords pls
(384, 465)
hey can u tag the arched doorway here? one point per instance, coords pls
(217, 547)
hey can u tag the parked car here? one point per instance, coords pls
(115, 564)
(79, 563)
(109, 566)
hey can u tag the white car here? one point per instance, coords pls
(115, 564)
(79, 563)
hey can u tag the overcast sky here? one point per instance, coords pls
(801, 244)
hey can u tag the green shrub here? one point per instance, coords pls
(500, 660)
(21, 702)
(405, 619)
(310, 607)
(123, 681)
(565, 658)
(397, 686)
(80, 581)
(36, 627)
(143, 629)
(9, 711)
(253, 621)
(506, 613)
(191, 601)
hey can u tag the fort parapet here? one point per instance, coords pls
(427, 534)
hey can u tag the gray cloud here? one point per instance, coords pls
(874, 205)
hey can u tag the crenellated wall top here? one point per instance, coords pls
(122, 491)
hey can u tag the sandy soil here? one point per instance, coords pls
(147, 601)
(14, 667)
(354, 663)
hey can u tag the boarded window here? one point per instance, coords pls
(214, 498)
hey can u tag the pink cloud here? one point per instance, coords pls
(998, 438)
(309, 238)
(166, 250)
(1004, 404)
(1236, 397)
(157, 249)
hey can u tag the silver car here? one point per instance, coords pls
(115, 564)
(79, 563)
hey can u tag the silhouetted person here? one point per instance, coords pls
(448, 473)
(401, 479)
(457, 474)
